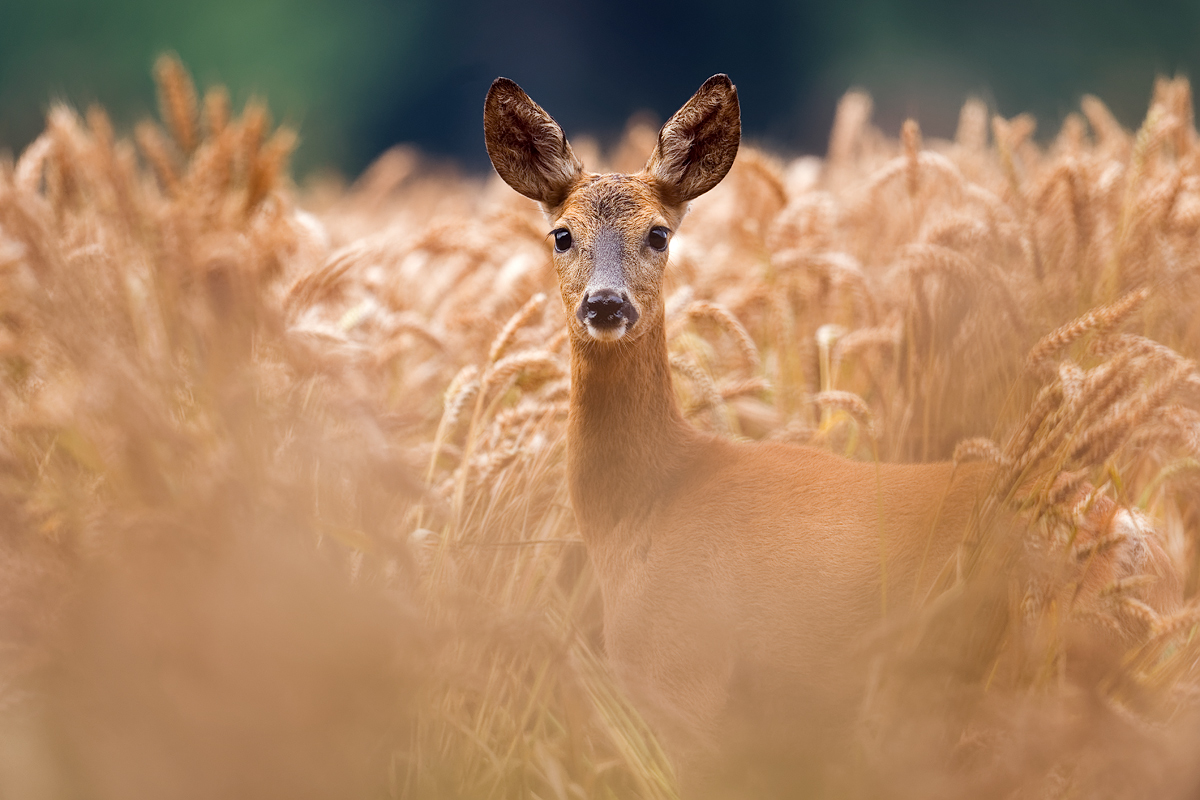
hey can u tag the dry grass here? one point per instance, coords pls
(282, 509)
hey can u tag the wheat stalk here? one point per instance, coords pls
(517, 321)
(1100, 319)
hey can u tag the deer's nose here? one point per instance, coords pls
(607, 309)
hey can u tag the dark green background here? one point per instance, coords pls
(357, 76)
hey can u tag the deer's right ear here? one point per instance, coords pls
(697, 146)
(526, 145)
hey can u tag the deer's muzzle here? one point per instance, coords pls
(607, 310)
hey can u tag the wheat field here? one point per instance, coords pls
(282, 497)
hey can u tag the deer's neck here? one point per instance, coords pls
(627, 437)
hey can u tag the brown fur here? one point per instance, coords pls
(736, 577)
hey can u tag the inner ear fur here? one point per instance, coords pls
(527, 147)
(697, 146)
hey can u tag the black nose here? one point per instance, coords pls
(606, 309)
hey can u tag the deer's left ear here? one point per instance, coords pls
(526, 145)
(697, 146)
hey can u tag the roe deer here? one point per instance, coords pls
(735, 576)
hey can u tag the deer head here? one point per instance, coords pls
(612, 232)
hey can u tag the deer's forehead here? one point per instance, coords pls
(615, 200)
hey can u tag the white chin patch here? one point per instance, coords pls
(606, 334)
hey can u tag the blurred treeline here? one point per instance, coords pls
(356, 76)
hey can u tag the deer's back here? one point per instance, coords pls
(770, 532)
(760, 566)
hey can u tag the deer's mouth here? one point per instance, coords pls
(608, 334)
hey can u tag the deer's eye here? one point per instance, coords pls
(562, 240)
(657, 238)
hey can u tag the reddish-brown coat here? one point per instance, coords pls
(735, 576)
